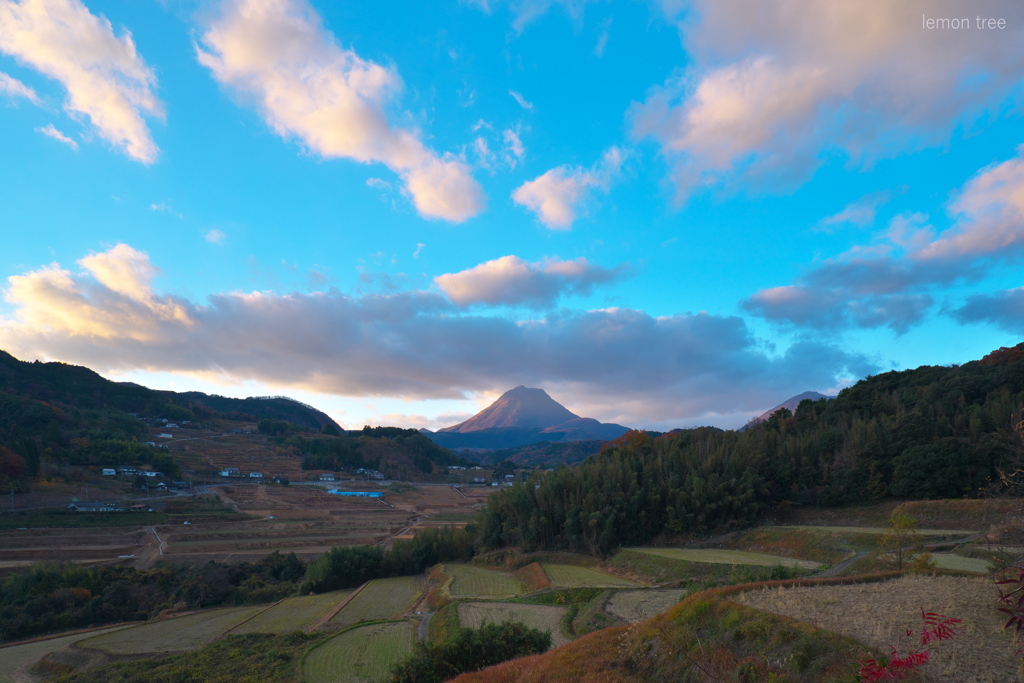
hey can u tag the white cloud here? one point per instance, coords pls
(558, 195)
(278, 54)
(514, 148)
(12, 87)
(51, 132)
(215, 236)
(772, 92)
(406, 345)
(523, 102)
(165, 207)
(511, 281)
(860, 212)
(891, 282)
(105, 78)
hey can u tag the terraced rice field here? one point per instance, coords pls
(472, 582)
(17, 659)
(360, 655)
(636, 606)
(543, 617)
(727, 557)
(381, 599)
(965, 564)
(569, 576)
(293, 614)
(172, 635)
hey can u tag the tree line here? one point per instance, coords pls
(932, 432)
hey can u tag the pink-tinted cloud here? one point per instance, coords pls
(105, 78)
(775, 87)
(511, 281)
(559, 195)
(409, 344)
(307, 87)
(12, 87)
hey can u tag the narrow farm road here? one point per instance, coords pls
(423, 630)
(832, 571)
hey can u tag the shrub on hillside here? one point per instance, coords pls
(471, 650)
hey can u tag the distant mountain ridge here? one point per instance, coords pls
(790, 404)
(523, 416)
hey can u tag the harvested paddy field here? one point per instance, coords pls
(878, 613)
(475, 582)
(360, 655)
(543, 617)
(172, 635)
(293, 614)
(381, 599)
(955, 533)
(727, 557)
(639, 605)
(16, 660)
(569, 576)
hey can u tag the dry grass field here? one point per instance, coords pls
(172, 635)
(636, 606)
(16, 660)
(568, 576)
(727, 557)
(543, 617)
(381, 599)
(878, 613)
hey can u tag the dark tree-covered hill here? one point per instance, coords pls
(931, 432)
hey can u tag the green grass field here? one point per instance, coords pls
(636, 606)
(727, 557)
(293, 614)
(16, 659)
(965, 564)
(543, 617)
(382, 599)
(568, 576)
(472, 582)
(172, 635)
(360, 655)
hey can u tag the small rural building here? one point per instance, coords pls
(479, 480)
(255, 475)
(126, 471)
(510, 477)
(165, 436)
(151, 475)
(109, 472)
(179, 485)
(327, 477)
(230, 472)
(171, 425)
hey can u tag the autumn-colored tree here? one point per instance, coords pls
(901, 544)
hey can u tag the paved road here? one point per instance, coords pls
(833, 571)
(423, 630)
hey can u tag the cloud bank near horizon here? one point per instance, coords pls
(414, 345)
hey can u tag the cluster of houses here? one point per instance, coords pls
(507, 481)
(235, 472)
(108, 507)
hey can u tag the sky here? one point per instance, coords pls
(666, 213)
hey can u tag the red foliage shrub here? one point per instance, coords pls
(896, 667)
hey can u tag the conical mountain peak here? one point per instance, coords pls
(521, 408)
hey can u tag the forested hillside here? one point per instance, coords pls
(932, 432)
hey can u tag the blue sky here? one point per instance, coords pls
(664, 213)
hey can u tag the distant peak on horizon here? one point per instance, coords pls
(791, 404)
(520, 407)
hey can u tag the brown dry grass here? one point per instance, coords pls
(878, 613)
(533, 577)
